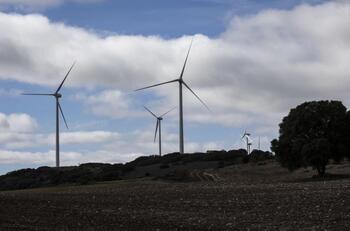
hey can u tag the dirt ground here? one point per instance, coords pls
(247, 197)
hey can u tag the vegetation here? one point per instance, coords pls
(312, 134)
(46, 176)
(258, 155)
(96, 172)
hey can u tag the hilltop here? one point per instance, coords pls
(172, 166)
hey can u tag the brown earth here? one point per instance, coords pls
(241, 197)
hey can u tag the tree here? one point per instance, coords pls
(312, 134)
(347, 136)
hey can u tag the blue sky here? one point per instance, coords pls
(166, 18)
(251, 62)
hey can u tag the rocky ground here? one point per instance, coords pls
(243, 197)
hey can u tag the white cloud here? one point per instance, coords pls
(36, 158)
(109, 103)
(107, 155)
(253, 73)
(14, 140)
(22, 123)
(67, 158)
(18, 131)
(17, 123)
(112, 148)
(4, 123)
(250, 75)
(18, 140)
(115, 61)
(86, 146)
(88, 137)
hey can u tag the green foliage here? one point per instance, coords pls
(312, 134)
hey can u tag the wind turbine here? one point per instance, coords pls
(246, 136)
(181, 84)
(158, 127)
(59, 110)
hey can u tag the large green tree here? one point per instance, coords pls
(312, 134)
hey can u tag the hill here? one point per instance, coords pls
(169, 167)
(251, 196)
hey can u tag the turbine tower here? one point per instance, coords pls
(59, 110)
(246, 138)
(181, 84)
(158, 127)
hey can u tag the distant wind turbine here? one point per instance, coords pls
(59, 110)
(181, 84)
(158, 127)
(246, 137)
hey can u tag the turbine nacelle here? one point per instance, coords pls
(158, 127)
(248, 141)
(58, 95)
(181, 84)
(59, 110)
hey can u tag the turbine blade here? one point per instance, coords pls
(37, 94)
(168, 112)
(196, 95)
(59, 88)
(155, 134)
(150, 112)
(64, 118)
(184, 67)
(175, 80)
(244, 134)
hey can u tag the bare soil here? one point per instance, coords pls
(243, 197)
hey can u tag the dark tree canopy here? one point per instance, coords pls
(312, 134)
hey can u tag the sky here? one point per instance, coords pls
(251, 62)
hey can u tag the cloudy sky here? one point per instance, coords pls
(251, 62)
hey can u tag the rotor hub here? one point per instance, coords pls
(58, 95)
